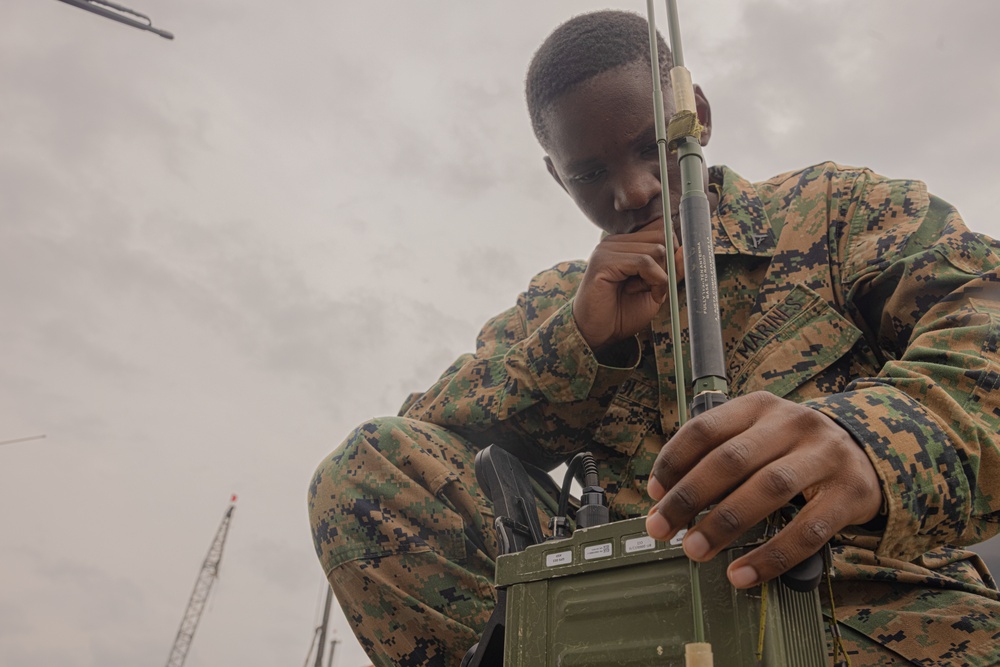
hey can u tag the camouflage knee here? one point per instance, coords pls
(397, 518)
(394, 486)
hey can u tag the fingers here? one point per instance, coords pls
(769, 489)
(620, 292)
(804, 535)
(703, 434)
(659, 254)
(609, 253)
(722, 470)
(653, 232)
(646, 264)
(717, 453)
(625, 284)
(754, 455)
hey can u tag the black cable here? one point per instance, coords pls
(574, 463)
(593, 507)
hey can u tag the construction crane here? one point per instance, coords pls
(118, 13)
(202, 586)
(319, 636)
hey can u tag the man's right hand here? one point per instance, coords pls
(624, 285)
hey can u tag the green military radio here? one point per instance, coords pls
(611, 595)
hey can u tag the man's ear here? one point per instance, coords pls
(704, 114)
(552, 172)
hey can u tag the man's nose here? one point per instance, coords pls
(636, 188)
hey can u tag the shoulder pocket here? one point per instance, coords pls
(790, 344)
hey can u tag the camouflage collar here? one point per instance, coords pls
(740, 225)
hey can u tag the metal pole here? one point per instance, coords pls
(322, 628)
(116, 12)
(708, 360)
(333, 647)
(17, 440)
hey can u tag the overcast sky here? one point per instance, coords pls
(219, 254)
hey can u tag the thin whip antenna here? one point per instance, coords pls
(668, 227)
(707, 359)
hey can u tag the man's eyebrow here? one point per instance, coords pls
(640, 140)
(582, 165)
(644, 138)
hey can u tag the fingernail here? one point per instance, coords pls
(743, 577)
(657, 527)
(655, 489)
(695, 545)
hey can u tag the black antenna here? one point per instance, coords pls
(118, 13)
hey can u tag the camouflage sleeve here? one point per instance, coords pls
(533, 384)
(926, 290)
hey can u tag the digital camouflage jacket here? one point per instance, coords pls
(863, 297)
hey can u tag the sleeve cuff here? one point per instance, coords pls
(563, 365)
(923, 480)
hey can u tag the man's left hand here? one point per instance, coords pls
(753, 455)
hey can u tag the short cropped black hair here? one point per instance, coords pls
(582, 48)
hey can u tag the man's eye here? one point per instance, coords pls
(651, 149)
(589, 177)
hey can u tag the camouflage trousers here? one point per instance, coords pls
(405, 536)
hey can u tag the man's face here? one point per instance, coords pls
(602, 149)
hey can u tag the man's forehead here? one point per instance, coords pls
(612, 107)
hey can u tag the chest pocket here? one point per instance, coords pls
(793, 342)
(632, 413)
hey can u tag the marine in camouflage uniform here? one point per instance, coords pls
(863, 298)
(818, 310)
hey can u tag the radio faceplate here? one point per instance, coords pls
(612, 595)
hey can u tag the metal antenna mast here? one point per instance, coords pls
(333, 648)
(319, 635)
(321, 643)
(117, 12)
(202, 586)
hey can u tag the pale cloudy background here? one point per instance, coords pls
(218, 254)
